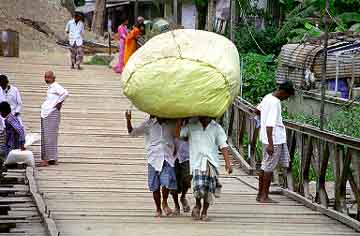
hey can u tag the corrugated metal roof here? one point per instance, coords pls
(90, 7)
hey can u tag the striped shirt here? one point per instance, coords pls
(15, 134)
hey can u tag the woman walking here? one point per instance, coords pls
(122, 33)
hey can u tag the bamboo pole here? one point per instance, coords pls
(323, 68)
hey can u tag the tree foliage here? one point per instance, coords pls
(258, 76)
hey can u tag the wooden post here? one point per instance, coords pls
(136, 10)
(109, 43)
(98, 20)
(323, 68)
(175, 12)
(210, 19)
(232, 19)
(352, 77)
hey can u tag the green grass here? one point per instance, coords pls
(99, 60)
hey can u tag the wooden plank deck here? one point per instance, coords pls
(99, 188)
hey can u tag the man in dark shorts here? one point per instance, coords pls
(183, 177)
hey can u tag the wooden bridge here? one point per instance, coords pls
(100, 188)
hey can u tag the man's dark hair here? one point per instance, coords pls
(287, 87)
(4, 78)
(79, 14)
(5, 107)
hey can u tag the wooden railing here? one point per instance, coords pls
(320, 153)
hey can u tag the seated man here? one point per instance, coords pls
(15, 134)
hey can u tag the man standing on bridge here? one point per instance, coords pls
(75, 30)
(273, 138)
(50, 119)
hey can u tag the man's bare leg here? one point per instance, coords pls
(204, 215)
(184, 201)
(175, 196)
(196, 210)
(165, 205)
(157, 200)
(264, 198)
(261, 185)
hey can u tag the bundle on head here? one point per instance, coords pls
(183, 73)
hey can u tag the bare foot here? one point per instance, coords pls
(158, 213)
(196, 213)
(204, 217)
(185, 204)
(166, 209)
(43, 163)
(176, 211)
(267, 200)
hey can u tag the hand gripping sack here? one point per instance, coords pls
(183, 73)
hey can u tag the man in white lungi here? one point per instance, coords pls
(50, 119)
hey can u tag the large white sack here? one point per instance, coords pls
(183, 73)
(17, 156)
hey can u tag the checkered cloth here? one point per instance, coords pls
(206, 184)
(15, 134)
(49, 136)
(77, 54)
(279, 157)
(165, 178)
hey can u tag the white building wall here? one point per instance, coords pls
(188, 17)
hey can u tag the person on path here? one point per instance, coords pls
(159, 146)
(182, 169)
(75, 30)
(130, 41)
(122, 33)
(273, 138)
(11, 94)
(206, 137)
(50, 119)
(15, 134)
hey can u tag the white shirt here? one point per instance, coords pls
(55, 94)
(159, 142)
(270, 108)
(12, 95)
(75, 30)
(204, 144)
(182, 150)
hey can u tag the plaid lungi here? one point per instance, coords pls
(3, 149)
(49, 136)
(206, 184)
(77, 54)
(279, 157)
